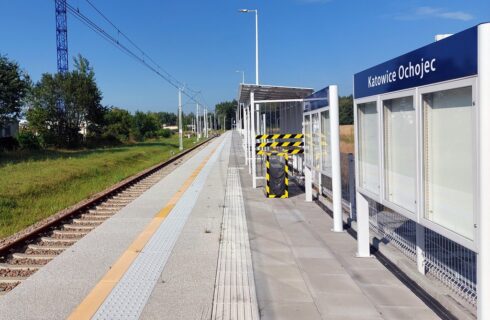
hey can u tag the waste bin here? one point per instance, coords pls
(277, 178)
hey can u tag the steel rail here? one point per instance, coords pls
(20, 239)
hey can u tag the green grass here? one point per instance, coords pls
(35, 185)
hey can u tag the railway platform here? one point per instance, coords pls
(203, 244)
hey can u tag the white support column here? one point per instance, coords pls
(263, 124)
(249, 139)
(308, 184)
(420, 243)
(258, 120)
(245, 134)
(252, 138)
(242, 119)
(363, 244)
(352, 185)
(483, 231)
(338, 225)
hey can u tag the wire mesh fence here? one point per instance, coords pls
(445, 260)
(452, 264)
(393, 229)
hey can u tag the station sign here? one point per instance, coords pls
(451, 58)
(317, 100)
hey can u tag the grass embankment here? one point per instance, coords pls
(35, 185)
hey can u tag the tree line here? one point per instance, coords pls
(65, 111)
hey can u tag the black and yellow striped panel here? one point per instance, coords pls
(286, 168)
(267, 177)
(279, 136)
(280, 153)
(280, 144)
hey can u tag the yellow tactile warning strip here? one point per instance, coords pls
(89, 306)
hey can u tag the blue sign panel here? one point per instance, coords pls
(316, 100)
(451, 58)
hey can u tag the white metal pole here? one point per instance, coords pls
(352, 185)
(242, 117)
(483, 231)
(243, 113)
(263, 123)
(363, 244)
(256, 47)
(249, 140)
(252, 138)
(338, 225)
(206, 122)
(181, 144)
(246, 135)
(197, 121)
(308, 184)
(420, 247)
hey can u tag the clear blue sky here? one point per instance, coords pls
(307, 43)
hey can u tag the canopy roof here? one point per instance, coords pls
(267, 92)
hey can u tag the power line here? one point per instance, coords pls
(143, 53)
(157, 69)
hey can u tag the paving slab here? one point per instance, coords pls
(187, 282)
(303, 270)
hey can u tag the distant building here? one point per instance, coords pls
(9, 130)
(173, 128)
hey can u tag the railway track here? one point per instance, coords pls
(31, 249)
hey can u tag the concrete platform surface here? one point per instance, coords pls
(223, 252)
(303, 270)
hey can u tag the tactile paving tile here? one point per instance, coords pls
(130, 295)
(234, 294)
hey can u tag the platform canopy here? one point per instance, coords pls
(268, 92)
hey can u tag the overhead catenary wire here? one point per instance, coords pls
(157, 69)
(143, 53)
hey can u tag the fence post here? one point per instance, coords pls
(420, 243)
(363, 243)
(308, 183)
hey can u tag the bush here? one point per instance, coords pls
(29, 141)
(104, 140)
(165, 133)
(149, 135)
(8, 144)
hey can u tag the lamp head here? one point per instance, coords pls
(243, 10)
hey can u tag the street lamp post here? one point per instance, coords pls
(256, 41)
